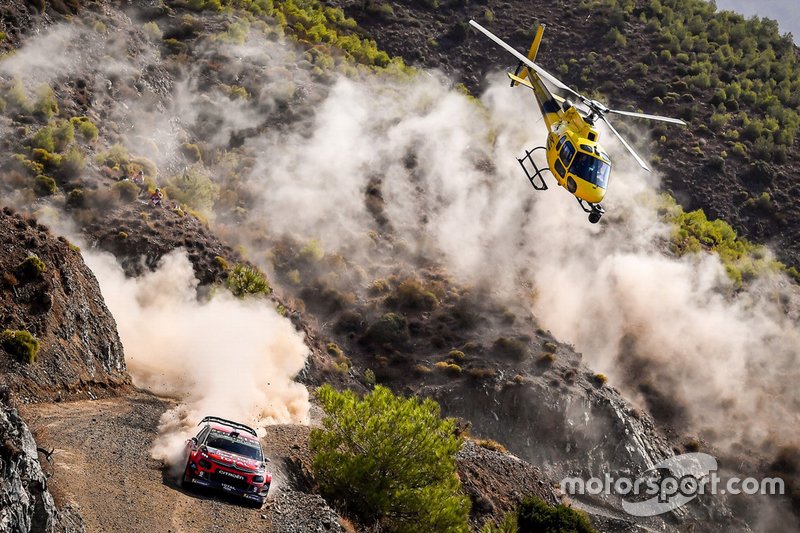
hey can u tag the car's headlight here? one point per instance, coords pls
(204, 464)
(258, 479)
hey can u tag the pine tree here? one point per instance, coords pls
(390, 460)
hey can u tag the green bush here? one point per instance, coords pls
(152, 31)
(126, 190)
(194, 188)
(389, 461)
(244, 280)
(21, 344)
(45, 185)
(16, 97)
(115, 156)
(536, 515)
(512, 348)
(410, 295)
(390, 329)
(86, 128)
(43, 139)
(72, 163)
(46, 104)
(31, 268)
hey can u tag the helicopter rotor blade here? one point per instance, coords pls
(648, 117)
(625, 144)
(539, 70)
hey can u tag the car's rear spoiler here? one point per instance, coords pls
(230, 423)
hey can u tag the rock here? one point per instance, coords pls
(27, 505)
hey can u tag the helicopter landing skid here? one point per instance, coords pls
(595, 210)
(537, 172)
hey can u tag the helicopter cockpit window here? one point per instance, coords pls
(561, 142)
(592, 169)
(567, 151)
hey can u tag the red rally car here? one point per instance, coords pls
(226, 455)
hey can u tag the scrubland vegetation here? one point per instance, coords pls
(744, 69)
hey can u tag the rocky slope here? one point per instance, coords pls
(49, 292)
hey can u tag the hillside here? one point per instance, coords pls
(734, 80)
(331, 215)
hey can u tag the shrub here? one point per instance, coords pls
(116, 156)
(369, 378)
(410, 295)
(244, 280)
(194, 188)
(31, 268)
(85, 127)
(126, 191)
(17, 100)
(389, 460)
(379, 286)
(72, 163)
(312, 251)
(535, 514)
(46, 104)
(43, 139)
(490, 444)
(422, 369)
(481, 372)
(600, 379)
(450, 368)
(21, 344)
(391, 328)
(152, 31)
(456, 355)
(513, 348)
(45, 185)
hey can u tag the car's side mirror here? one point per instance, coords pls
(267, 460)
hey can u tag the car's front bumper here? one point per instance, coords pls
(259, 497)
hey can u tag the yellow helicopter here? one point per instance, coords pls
(574, 155)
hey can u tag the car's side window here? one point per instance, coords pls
(203, 434)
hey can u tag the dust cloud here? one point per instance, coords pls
(223, 357)
(671, 333)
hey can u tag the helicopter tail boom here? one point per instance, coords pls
(522, 69)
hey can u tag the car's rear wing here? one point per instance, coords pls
(230, 423)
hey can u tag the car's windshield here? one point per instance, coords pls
(591, 168)
(226, 443)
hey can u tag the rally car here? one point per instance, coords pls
(227, 456)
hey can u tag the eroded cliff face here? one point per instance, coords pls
(48, 291)
(25, 502)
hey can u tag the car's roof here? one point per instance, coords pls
(228, 430)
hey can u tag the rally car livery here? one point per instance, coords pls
(227, 456)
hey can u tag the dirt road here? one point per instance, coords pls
(102, 465)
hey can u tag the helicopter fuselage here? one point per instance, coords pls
(574, 156)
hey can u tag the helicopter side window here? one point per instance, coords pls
(560, 169)
(567, 151)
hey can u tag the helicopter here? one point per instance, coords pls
(574, 155)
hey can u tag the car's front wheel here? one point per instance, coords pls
(186, 479)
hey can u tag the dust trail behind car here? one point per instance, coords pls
(222, 356)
